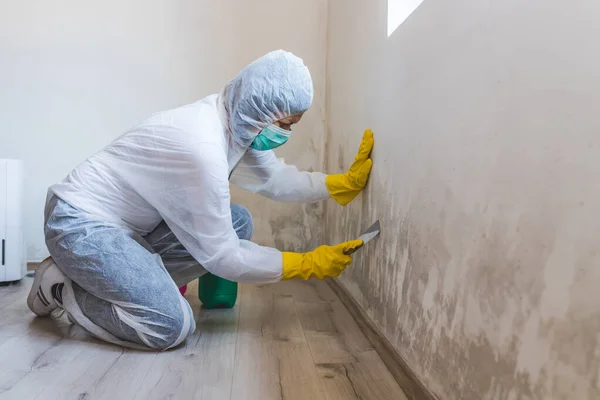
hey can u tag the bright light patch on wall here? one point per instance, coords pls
(398, 11)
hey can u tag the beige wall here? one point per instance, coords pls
(74, 75)
(486, 276)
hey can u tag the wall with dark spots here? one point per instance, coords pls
(486, 162)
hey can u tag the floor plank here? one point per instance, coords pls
(311, 291)
(27, 345)
(331, 332)
(123, 378)
(33, 361)
(365, 378)
(273, 361)
(348, 365)
(202, 369)
(288, 341)
(11, 293)
(79, 375)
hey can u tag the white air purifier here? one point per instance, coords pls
(13, 266)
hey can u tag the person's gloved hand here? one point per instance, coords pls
(323, 262)
(343, 188)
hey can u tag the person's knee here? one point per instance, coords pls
(166, 328)
(242, 221)
(175, 333)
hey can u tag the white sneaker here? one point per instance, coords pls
(45, 295)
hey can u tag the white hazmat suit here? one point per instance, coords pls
(176, 165)
(171, 174)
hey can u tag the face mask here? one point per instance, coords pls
(270, 138)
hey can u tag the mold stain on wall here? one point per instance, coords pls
(485, 275)
(455, 292)
(300, 232)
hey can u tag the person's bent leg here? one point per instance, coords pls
(182, 267)
(214, 292)
(116, 289)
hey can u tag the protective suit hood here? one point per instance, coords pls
(275, 86)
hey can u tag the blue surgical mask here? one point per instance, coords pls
(270, 138)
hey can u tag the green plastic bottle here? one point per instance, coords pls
(215, 292)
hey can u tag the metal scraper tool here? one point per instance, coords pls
(366, 237)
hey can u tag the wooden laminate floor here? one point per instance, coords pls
(288, 341)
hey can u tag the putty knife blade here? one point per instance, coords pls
(367, 236)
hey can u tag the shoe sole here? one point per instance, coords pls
(37, 282)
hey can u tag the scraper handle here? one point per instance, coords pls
(353, 250)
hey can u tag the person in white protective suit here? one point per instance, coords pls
(151, 211)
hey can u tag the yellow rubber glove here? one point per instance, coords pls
(323, 262)
(343, 188)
